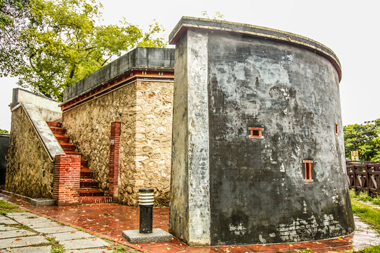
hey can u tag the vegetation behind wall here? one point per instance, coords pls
(363, 138)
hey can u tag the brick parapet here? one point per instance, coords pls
(67, 179)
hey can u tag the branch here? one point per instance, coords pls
(106, 60)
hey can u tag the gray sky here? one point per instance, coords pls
(349, 28)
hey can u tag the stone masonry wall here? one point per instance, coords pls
(144, 110)
(29, 168)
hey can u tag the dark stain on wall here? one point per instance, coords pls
(258, 188)
(4, 143)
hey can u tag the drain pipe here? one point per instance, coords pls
(146, 202)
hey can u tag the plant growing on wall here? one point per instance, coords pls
(363, 138)
(64, 41)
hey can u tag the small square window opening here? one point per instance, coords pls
(336, 128)
(256, 132)
(308, 177)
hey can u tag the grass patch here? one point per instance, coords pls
(362, 196)
(367, 213)
(55, 246)
(6, 207)
(374, 249)
(118, 250)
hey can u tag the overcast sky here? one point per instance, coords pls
(349, 28)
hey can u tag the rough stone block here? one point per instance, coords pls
(6, 228)
(55, 230)
(6, 220)
(15, 233)
(44, 249)
(158, 235)
(100, 250)
(71, 235)
(84, 244)
(25, 241)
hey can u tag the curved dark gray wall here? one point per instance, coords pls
(228, 188)
(258, 189)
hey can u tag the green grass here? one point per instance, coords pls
(367, 213)
(55, 246)
(6, 207)
(375, 249)
(119, 250)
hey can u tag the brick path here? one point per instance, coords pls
(109, 220)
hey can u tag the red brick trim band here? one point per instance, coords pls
(66, 179)
(114, 160)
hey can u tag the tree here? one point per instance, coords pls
(216, 16)
(64, 42)
(3, 131)
(363, 138)
(14, 16)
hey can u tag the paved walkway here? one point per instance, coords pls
(109, 220)
(27, 232)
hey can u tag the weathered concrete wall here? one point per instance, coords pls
(29, 167)
(144, 110)
(4, 143)
(139, 58)
(179, 193)
(257, 188)
(196, 146)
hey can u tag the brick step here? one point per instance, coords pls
(67, 146)
(58, 130)
(54, 124)
(90, 192)
(95, 199)
(62, 138)
(88, 183)
(86, 173)
(83, 163)
(68, 152)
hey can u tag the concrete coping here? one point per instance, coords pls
(141, 58)
(187, 23)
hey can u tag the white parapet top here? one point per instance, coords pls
(40, 110)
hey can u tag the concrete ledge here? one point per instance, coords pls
(42, 202)
(158, 235)
(33, 202)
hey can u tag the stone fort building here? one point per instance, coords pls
(109, 137)
(245, 139)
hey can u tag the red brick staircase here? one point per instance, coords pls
(89, 191)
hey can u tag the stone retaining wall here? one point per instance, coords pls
(144, 109)
(29, 168)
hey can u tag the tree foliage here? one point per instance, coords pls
(363, 138)
(14, 16)
(64, 41)
(217, 15)
(2, 131)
